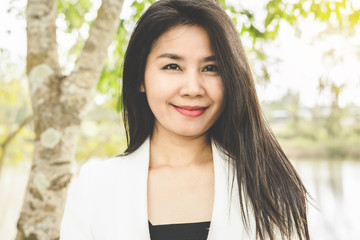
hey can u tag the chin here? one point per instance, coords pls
(191, 134)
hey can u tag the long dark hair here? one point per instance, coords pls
(266, 178)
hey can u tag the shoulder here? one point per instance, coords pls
(104, 169)
(100, 181)
(92, 196)
(138, 159)
(99, 166)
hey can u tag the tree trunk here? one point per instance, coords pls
(59, 103)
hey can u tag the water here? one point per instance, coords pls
(333, 185)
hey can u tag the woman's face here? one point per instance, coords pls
(182, 85)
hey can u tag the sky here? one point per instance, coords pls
(300, 61)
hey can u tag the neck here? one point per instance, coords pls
(178, 151)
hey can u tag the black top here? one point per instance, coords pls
(181, 231)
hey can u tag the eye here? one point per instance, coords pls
(171, 66)
(210, 68)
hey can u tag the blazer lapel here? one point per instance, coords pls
(132, 212)
(226, 221)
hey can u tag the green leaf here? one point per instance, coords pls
(354, 18)
(269, 19)
(119, 104)
(247, 13)
(74, 12)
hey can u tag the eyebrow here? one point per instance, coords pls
(177, 57)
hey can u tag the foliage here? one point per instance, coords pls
(340, 16)
(14, 109)
(317, 132)
(74, 12)
(102, 135)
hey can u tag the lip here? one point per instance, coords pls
(190, 111)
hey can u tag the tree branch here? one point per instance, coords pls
(76, 90)
(94, 53)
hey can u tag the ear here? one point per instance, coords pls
(142, 88)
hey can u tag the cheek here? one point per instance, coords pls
(156, 90)
(160, 85)
(217, 90)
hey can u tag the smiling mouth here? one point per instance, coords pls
(190, 111)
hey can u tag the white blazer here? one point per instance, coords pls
(109, 201)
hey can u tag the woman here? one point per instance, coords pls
(201, 161)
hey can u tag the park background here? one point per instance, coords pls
(305, 56)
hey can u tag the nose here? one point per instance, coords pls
(192, 84)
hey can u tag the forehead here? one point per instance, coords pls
(184, 39)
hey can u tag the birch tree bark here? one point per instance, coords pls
(59, 103)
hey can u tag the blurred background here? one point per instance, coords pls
(305, 56)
